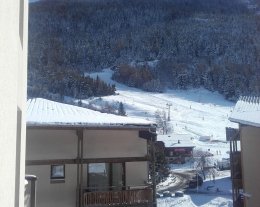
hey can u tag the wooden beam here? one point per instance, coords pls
(86, 161)
(124, 176)
(110, 176)
(147, 135)
(78, 173)
(81, 135)
(51, 162)
(153, 174)
(116, 160)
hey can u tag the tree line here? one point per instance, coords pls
(56, 83)
(214, 44)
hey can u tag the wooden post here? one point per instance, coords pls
(124, 176)
(80, 168)
(78, 175)
(153, 139)
(153, 175)
(232, 169)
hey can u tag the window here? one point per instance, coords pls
(106, 176)
(57, 172)
(98, 176)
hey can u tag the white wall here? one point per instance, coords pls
(48, 144)
(250, 143)
(54, 194)
(43, 144)
(13, 67)
(113, 143)
(136, 173)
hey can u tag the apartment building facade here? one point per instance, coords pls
(13, 70)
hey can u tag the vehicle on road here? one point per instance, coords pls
(195, 181)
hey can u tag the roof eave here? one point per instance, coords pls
(240, 121)
(88, 126)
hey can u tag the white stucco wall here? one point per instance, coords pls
(62, 144)
(54, 194)
(250, 142)
(113, 143)
(13, 67)
(136, 173)
(43, 144)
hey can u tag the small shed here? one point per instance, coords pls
(178, 147)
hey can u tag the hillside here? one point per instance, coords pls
(214, 44)
(197, 112)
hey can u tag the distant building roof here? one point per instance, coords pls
(247, 111)
(42, 112)
(176, 140)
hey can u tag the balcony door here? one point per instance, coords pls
(117, 176)
(106, 176)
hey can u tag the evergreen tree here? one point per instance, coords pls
(162, 168)
(121, 109)
(79, 103)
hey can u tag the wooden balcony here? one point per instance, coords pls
(236, 169)
(237, 183)
(239, 202)
(131, 197)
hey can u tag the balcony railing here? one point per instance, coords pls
(136, 197)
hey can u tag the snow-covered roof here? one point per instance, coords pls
(42, 112)
(176, 140)
(247, 111)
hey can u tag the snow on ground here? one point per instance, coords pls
(217, 193)
(196, 112)
(196, 200)
(171, 180)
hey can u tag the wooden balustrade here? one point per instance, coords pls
(115, 198)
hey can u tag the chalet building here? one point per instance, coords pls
(13, 70)
(86, 158)
(178, 147)
(245, 164)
